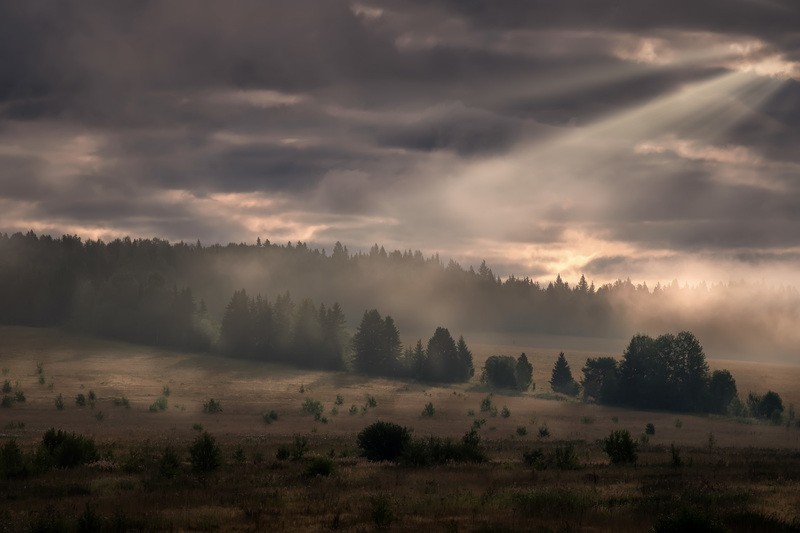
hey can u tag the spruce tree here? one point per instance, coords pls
(561, 380)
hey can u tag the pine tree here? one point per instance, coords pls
(466, 369)
(561, 380)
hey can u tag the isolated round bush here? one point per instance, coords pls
(205, 454)
(383, 441)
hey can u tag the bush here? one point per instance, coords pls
(371, 402)
(19, 396)
(204, 453)
(300, 447)
(270, 417)
(89, 521)
(383, 441)
(59, 401)
(313, 407)
(486, 404)
(565, 458)
(122, 401)
(534, 458)
(504, 412)
(165, 392)
(212, 406)
(428, 410)
(320, 466)
(13, 464)
(67, 450)
(170, 464)
(283, 453)
(353, 409)
(80, 400)
(620, 447)
(544, 431)
(7, 387)
(522, 431)
(438, 451)
(159, 405)
(339, 399)
(7, 401)
(650, 429)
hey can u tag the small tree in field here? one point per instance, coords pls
(620, 447)
(205, 455)
(562, 380)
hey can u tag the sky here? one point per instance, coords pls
(633, 138)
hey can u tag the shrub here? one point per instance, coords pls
(339, 399)
(165, 392)
(320, 466)
(13, 464)
(197, 427)
(170, 464)
(92, 397)
(522, 431)
(678, 423)
(212, 406)
(504, 412)
(544, 431)
(534, 458)
(159, 405)
(300, 447)
(270, 417)
(371, 402)
(428, 410)
(486, 404)
(19, 396)
(353, 409)
(650, 429)
(565, 458)
(99, 416)
(67, 450)
(204, 454)
(7, 387)
(7, 401)
(238, 455)
(313, 407)
(383, 441)
(122, 401)
(620, 447)
(80, 400)
(59, 401)
(283, 453)
(587, 420)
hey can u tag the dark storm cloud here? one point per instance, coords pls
(364, 121)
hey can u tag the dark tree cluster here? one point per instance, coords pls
(377, 351)
(669, 372)
(303, 335)
(562, 380)
(506, 372)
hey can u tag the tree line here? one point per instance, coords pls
(667, 373)
(72, 282)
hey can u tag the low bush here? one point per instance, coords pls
(212, 406)
(67, 450)
(314, 408)
(320, 466)
(270, 417)
(428, 410)
(383, 441)
(7, 388)
(522, 431)
(59, 401)
(620, 447)
(650, 429)
(205, 455)
(122, 401)
(169, 465)
(13, 464)
(159, 405)
(7, 401)
(504, 412)
(80, 400)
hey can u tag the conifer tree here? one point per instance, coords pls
(561, 380)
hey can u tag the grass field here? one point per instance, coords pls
(733, 466)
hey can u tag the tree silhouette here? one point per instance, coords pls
(561, 380)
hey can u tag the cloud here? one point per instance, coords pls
(545, 137)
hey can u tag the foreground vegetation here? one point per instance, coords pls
(315, 482)
(150, 440)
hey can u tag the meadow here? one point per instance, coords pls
(744, 474)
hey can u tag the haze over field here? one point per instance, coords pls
(614, 140)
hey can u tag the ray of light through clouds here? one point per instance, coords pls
(608, 139)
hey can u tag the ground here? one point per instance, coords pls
(729, 465)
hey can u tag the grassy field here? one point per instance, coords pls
(743, 467)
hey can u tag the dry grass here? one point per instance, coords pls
(751, 465)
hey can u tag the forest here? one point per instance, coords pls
(177, 295)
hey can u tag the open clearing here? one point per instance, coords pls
(732, 465)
